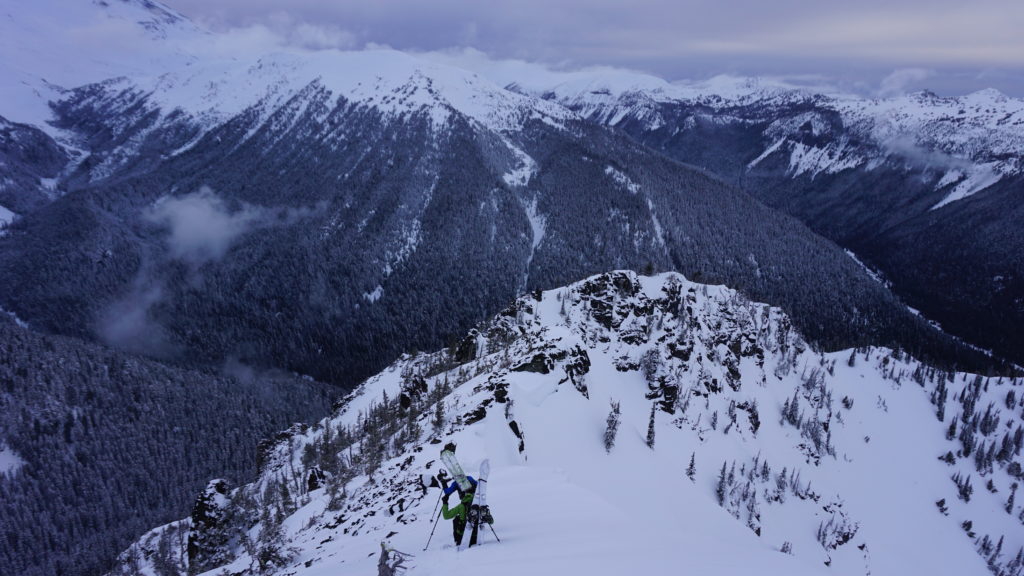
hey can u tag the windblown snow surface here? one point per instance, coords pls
(848, 483)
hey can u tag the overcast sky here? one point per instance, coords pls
(881, 46)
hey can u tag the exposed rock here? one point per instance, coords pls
(209, 535)
(540, 363)
(315, 479)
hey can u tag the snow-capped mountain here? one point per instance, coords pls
(925, 189)
(281, 92)
(352, 187)
(53, 46)
(738, 448)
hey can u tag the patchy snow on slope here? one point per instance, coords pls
(622, 179)
(872, 273)
(525, 167)
(375, 295)
(814, 160)
(767, 152)
(538, 223)
(659, 234)
(10, 462)
(12, 315)
(977, 179)
(6, 216)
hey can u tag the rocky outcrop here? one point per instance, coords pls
(267, 449)
(209, 535)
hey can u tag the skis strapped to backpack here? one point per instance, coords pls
(448, 458)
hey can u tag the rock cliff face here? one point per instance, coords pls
(736, 442)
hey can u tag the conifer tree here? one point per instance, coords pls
(437, 421)
(650, 427)
(613, 427)
(720, 491)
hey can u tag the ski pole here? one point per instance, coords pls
(432, 533)
(491, 526)
(438, 500)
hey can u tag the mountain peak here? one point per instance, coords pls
(988, 94)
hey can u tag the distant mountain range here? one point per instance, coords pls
(924, 189)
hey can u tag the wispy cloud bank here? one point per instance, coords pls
(903, 80)
(199, 229)
(861, 42)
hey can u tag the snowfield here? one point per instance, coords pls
(848, 482)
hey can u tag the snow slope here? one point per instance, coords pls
(53, 45)
(847, 482)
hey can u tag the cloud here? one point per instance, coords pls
(128, 323)
(307, 35)
(899, 82)
(910, 150)
(698, 39)
(200, 226)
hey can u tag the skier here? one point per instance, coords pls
(460, 512)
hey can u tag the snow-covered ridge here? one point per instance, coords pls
(970, 142)
(394, 83)
(738, 447)
(174, 66)
(279, 91)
